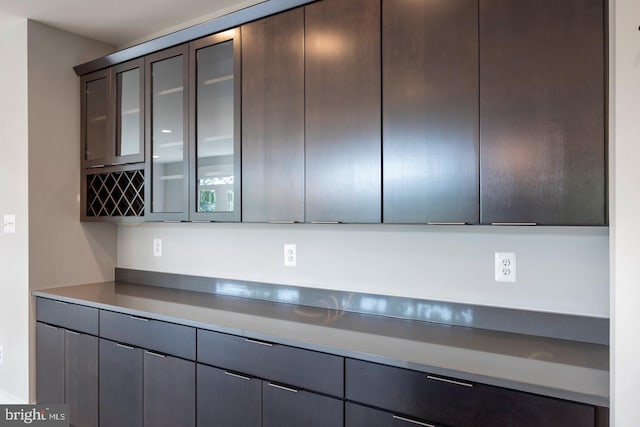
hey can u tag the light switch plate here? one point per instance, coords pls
(9, 223)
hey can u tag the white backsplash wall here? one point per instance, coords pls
(559, 269)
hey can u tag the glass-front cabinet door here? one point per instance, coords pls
(215, 128)
(95, 120)
(166, 189)
(128, 84)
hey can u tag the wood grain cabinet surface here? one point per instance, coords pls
(542, 112)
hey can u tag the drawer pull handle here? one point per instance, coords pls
(96, 166)
(445, 223)
(514, 223)
(445, 380)
(155, 354)
(412, 421)
(51, 327)
(326, 222)
(266, 344)
(73, 333)
(281, 387)
(284, 221)
(125, 346)
(142, 319)
(62, 302)
(242, 377)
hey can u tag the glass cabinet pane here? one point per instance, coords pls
(128, 113)
(96, 123)
(215, 139)
(167, 144)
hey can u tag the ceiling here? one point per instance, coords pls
(118, 22)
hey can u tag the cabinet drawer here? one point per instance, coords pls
(456, 403)
(70, 316)
(164, 337)
(357, 415)
(289, 365)
(415, 394)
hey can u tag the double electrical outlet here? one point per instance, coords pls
(505, 267)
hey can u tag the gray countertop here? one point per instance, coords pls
(552, 367)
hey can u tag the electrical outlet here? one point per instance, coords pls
(505, 267)
(289, 255)
(157, 247)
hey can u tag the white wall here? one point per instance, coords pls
(625, 212)
(14, 285)
(560, 269)
(62, 251)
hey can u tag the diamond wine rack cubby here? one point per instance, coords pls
(114, 194)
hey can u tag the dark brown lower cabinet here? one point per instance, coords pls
(121, 391)
(49, 364)
(169, 391)
(81, 378)
(228, 399)
(358, 415)
(451, 402)
(287, 407)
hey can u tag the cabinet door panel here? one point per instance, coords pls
(273, 118)
(342, 107)
(96, 118)
(128, 82)
(215, 127)
(166, 135)
(120, 385)
(169, 391)
(81, 378)
(430, 111)
(284, 407)
(542, 111)
(49, 364)
(226, 399)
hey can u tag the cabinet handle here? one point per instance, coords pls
(125, 346)
(73, 333)
(326, 222)
(283, 222)
(175, 221)
(118, 163)
(397, 417)
(514, 223)
(266, 344)
(62, 302)
(446, 380)
(242, 377)
(96, 166)
(155, 354)
(445, 223)
(281, 387)
(142, 319)
(50, 327)
(198, 221)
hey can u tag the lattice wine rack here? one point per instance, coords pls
(115, 194)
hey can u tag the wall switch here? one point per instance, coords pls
(157, 247)
(9, 223)
(505, 266)
(289, 255)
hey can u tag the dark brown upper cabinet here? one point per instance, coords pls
(128, 85)
(167, 168)
(342, 108)
(273, 119)
(113, 115)
(430, 111)
(214, 128)
(542, 100)
(96, 119)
